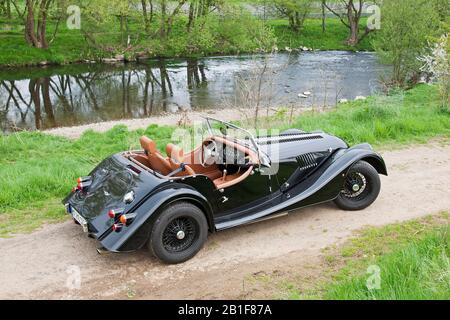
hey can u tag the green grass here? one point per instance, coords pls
(69, 46)
(37, 170)
(235, 35)
(313, 37)
(413, 259)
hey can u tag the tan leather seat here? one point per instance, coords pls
(233, 179)
(156, 160)
(176, 158)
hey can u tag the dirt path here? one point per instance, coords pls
(37, 265)
(162, 120)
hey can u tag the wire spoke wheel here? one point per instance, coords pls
(180, 234)
(361, 187)
(355, 186)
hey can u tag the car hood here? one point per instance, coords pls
(288, 147)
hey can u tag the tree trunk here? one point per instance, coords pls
(36, 36)
(172, 16)
(121, 28)
(162, 30)
(324, 17)
(145, 14)
(353, 21)
(191, 16)
(350, 19)
(6, 4)
(292, 22)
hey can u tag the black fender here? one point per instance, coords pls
(135, 235)
(325, 185)
(364, 152)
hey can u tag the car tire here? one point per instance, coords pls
(178, 233)
(361, 188)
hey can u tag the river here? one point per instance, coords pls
(60, 96)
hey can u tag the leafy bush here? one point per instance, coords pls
(437, 64)
(406, 28)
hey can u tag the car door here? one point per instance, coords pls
(248, 196)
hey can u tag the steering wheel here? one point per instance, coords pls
(209, 154)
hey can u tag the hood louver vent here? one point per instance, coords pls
(284, 139)
(307, 161)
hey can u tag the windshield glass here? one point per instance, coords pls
(232, 132)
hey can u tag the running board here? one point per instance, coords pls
(271, 217)
(275, 216)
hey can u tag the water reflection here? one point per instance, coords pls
(37, 98)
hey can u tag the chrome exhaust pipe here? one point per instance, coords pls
(102, 251)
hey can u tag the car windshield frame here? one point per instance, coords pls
(263, 158)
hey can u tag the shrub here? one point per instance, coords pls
(406, 28)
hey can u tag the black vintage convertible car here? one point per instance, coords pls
(171, 203)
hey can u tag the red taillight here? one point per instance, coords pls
(111, 214)
(83, 182)
(116, 227)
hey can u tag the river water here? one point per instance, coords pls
(58, 96)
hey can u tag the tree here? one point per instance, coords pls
(351, 18)
(167, 18)
(100, 15)
(147, 12)
(407, 27)
(35, 16)
(201, 8)
(5, 8)
(36, 22)
(295, 11)
(436, 63)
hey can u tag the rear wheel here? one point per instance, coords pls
(178, 234)
(361, 188)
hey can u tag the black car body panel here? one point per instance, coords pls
(306, 169)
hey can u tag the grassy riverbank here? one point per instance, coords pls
(312, 36)
(37, 170)
(245, 35)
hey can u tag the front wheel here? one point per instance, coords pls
(178, 234)
(361, 188)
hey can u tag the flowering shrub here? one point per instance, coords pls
(436, 63)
